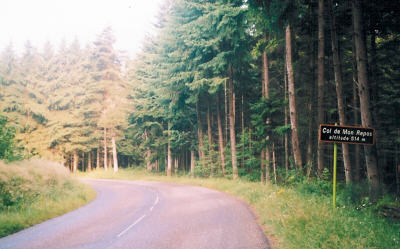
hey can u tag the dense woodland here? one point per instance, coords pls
(221, 88)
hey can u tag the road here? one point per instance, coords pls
(139, 214)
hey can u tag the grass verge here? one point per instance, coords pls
(290, 217)
(34, 191)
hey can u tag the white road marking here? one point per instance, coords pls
(155, 203)
(138, 220)
(132, 225)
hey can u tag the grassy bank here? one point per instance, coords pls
(34, 191)
(292, 216)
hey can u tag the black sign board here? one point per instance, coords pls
(346, 134)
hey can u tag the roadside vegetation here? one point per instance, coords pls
(298, 213)
(34, 191)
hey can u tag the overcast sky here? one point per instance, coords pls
(52, 20)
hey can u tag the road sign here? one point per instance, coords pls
(346, 134)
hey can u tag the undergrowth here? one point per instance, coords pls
(299, 213)
(37, 190)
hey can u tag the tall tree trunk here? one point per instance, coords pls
(89, 162)
(83, 161)
(356, 119)
(292, 100)
(75, 162)
(339, 91)
(363, 92)
(374, 100)
(243, 140)
(232, 123)
(274, 161)
(183, 161)
(210, 138)
(268, 121)
(209, 128)
(114, 150)
(311, 104)
(176, 166)
(97, 158)
(220, 138)
(166, 158)
(70, 166)
(192, 161)
(267, 163)
(286, 122)
(148, 152)
(321, 79)
(200, 135)
(234, 104)
(169, 154)
(105, 148)
(262, 165)
(226, 111)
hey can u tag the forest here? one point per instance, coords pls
(222, 88)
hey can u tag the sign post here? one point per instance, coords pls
(344, 134)
(334, 173)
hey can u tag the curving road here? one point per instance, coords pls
(139, 214)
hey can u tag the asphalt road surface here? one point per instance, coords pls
(139, 214)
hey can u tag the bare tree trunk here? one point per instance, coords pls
(169, 154)
(274, 161)
(210, 138)
(192, 163)
(339, 92)
(75, 163)
(321, 79)
(97, 158)
(209, 128)
(380, 156)
(262, 165)
(114, 150)
(148, 153)
(266, 95)
(89, 162)
(83, 162)
(185, 161)
(70, 166)
(110, 161)
(286, 123)
(243, 140)
(166, 159)
(311, 105)
(220, 138)
(363, 92)
(356, 120)
(176, 160)
(226, 111)
(234, 104)
(105, 148)
(200, 135)
(292, 100)
(232, 123)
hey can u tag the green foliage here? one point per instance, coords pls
(267, 109)
(8, 150)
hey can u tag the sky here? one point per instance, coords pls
(54, 20)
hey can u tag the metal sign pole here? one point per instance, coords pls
(334, 173)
